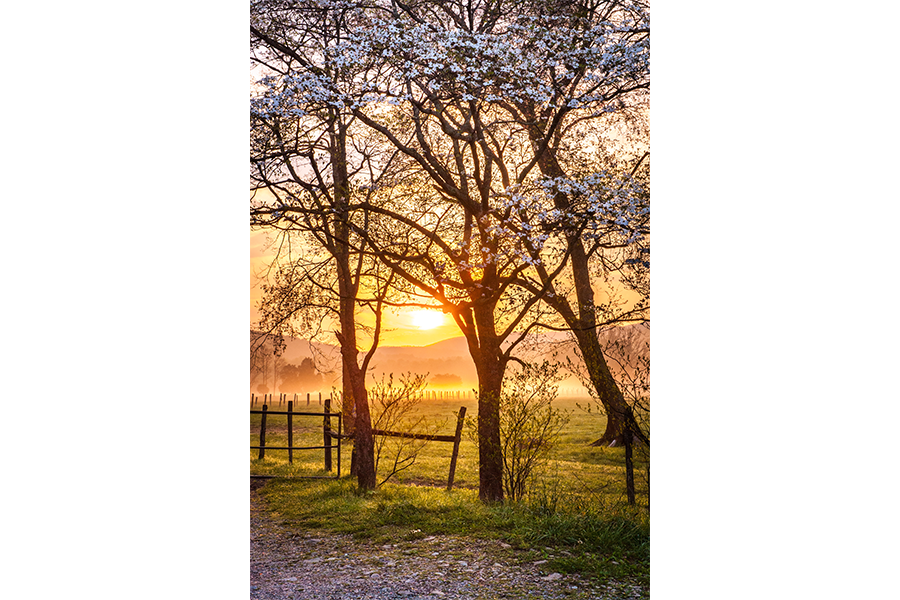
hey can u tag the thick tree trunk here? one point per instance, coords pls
(363, 440)
(489, 365)
(348, 405)
(490, 452)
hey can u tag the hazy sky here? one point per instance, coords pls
(400, 328)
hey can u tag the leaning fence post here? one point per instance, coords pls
(456, 437)
(326, 434)
(262, 432)
(290, 410)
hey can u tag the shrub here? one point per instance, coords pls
(529, 424)
(393, 409)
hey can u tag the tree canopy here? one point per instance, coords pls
(488, 158)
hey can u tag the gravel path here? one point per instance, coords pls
(304, 565)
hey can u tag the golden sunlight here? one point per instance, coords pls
(427, 319)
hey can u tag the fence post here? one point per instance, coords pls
(252, 400)
(262, 432)
(320, 398)
(629, 466)
(307, 398)
(340, 430)
(290, 410)
(456, 437)
(326, 433)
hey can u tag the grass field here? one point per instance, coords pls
(577, 501)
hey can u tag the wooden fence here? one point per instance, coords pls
(328, 435)
(436, 438)
(282, 399)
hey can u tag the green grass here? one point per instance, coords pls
(575, 539)
(575, 515)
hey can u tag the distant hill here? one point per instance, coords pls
(451, 356)
(446, 357)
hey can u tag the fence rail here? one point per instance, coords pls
(282, 399)
(327, 435)
(455, 438)
(415, 436)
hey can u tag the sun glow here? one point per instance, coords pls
(427, 319)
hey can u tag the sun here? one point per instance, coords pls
(427, 319)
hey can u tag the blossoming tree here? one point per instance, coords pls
(488, 210)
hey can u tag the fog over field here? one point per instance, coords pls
(447, 363)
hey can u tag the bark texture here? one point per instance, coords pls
(490, 366)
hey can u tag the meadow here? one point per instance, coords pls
(576, 501)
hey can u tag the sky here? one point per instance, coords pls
(401, 327)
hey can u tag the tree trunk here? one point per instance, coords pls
(605, 385)
(489, 365)
(348, 285)
(490, 453)
(348, 405)
(363, 440)
(583, 322)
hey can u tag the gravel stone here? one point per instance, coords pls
(293, 564)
